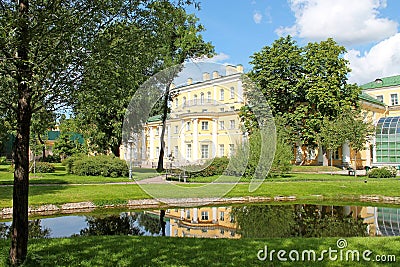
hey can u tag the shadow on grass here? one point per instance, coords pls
(167, 251)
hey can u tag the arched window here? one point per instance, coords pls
(184, 102)
(195, 100)
(208, 97)
(202, 98)
(221, 94)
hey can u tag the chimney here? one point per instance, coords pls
(215, 75)
(239, 68)
(189, 81)
(206, 76)
(230, 70)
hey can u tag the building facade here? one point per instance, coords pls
(203, 123)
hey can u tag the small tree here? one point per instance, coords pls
(355, 130)
(331, 136)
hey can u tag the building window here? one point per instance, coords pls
(221, 110)
(195, 100)
(184, 102)
(232, 218)
(202, 98)
(204, 110)
(221, 150)
(176, 129)
(232, 108)
(232, 124)
(204, 125)
(221, 94)
(204, 215)
(157, 131)
(209, 97)
(188, 126)
(204, 151)
(176, 102)
(394, 99)
(187, 214)
(232, 92)
(188, 151)
(222, 231)
(231, 149)
(380, 98)
(335, 154)
(222, 216)
(157, 151)
(221, 125)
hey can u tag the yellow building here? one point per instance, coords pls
(203, 123)
(211, 222)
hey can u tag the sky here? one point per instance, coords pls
(368, 29)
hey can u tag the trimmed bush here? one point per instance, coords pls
(52, 159)
(216, 167)
(384, 172)
(42, 167)
(103, 165)
(69, 162)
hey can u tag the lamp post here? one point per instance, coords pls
(130, 142)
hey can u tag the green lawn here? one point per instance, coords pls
(61, 177)
(306, 188)
(170, 251)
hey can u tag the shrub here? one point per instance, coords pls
(52, 159)
(384, 172)
(69, 162)
(216, 167)
(103, 165)
(3, 160)
(42, 167)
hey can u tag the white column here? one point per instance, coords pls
(183, 148)
(215, 93)
(346, 153)
(151, 152)
(214, 214)
(240, 92)
(195, 151)
(195, 218)
(144, 148)
(169, 140)
(374, 150)
(182, 214)
(320, 155)
(214, 138)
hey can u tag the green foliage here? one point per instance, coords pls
(3, 160)
(304, 85)
(52, 159)
(383, 172)
(212, 167)
(42, 167)
(67, 145)
(109, 225)
(102, 165)
(69, 162)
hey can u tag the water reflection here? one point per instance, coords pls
(251, 221)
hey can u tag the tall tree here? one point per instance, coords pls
(43, 48)
(304, 85)
(331, 135)
(134, 52)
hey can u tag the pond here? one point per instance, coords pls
(250, 221)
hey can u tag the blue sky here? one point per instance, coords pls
(369, 29)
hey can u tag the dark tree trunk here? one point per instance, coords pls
(160, 164)
(162, 223)
(19, 234)
(115, 150)
(43, 148)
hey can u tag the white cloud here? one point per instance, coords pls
(220, 57)
(382, 60)
(347, 21)
(257, 17)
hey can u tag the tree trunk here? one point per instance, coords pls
(160, 164)
(43, 148)
(19, 234)
(115, 150)
(162, 223)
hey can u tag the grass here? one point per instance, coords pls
(60, 176)
(296, 168)
(307, 188)
(170, 251)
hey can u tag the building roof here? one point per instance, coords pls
(382, 82)
(371, 99)
(156, 118)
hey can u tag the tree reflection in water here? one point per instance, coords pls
(268, 221)
(35, 230)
